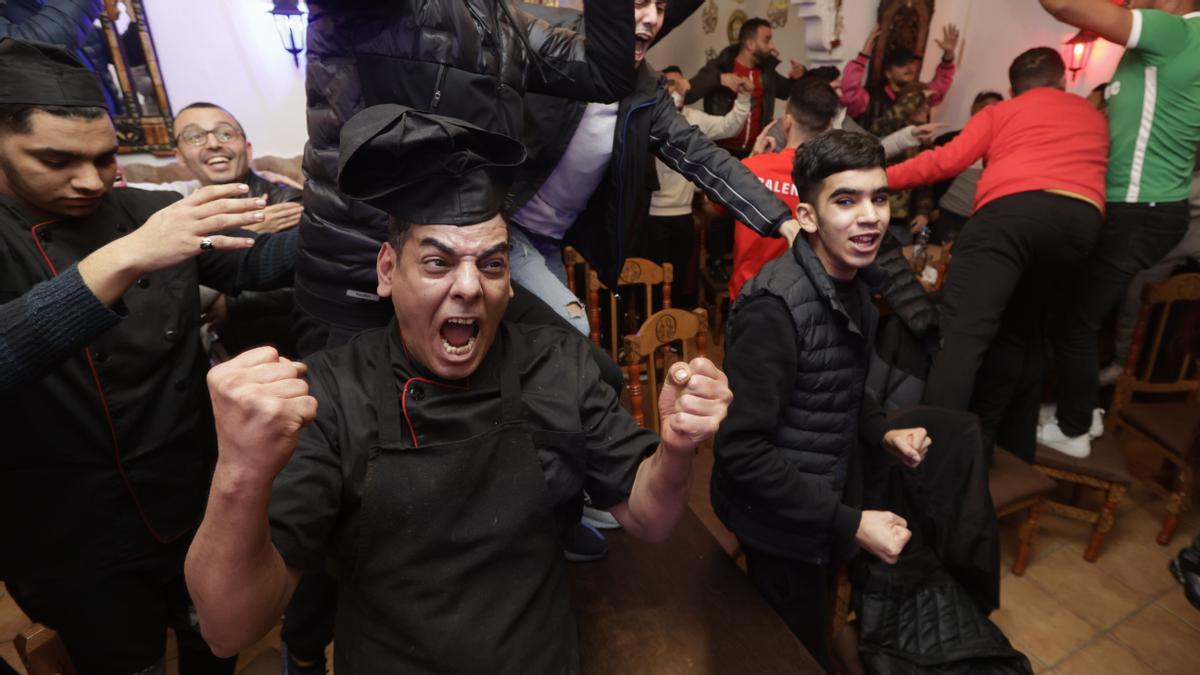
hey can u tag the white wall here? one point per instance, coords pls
(994, 32)
(228, 52)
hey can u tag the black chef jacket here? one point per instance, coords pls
(108, 436)
(585, 440)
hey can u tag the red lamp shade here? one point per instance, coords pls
(1078, 51)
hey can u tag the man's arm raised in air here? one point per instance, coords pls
(238, 580)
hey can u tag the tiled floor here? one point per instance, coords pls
(1123, 614)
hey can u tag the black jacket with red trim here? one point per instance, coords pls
(108, 429)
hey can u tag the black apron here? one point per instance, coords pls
(459, 569)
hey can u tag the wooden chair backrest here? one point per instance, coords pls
(43, 653)
(1146, 349)
(661, 328)
(571, 262)
(637, 272)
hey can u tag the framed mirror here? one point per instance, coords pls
(132, 79)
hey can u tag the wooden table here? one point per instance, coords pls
(681, 606)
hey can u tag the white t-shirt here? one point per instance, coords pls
(565, 194)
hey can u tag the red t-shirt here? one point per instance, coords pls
(754, 123)
(1044, 139)
(751, 250)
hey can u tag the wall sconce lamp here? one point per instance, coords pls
(292, 28)
(1079, 51)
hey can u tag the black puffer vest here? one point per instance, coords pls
(818, 432)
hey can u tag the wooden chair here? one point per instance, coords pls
(43, 653)
(1167, 372)
(1016, 486)
(1103, 470)
(637, 272)
(572, 261)
(660, 329)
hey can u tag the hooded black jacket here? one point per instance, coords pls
(471, 59)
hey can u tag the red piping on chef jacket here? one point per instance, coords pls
(112, 428)
(404, 400)
(404, 394)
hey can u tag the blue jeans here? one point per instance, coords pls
(536, 264)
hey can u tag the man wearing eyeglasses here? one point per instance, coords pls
(213, 146)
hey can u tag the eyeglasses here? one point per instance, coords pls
(193, 135)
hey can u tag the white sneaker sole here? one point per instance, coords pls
(601, 520)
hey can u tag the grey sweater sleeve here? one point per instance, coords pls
(52, 321)
(62, 22)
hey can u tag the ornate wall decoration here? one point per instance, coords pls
(709, 54)
(709, 17)
(823, 26)
(777, 13)
(735, 25)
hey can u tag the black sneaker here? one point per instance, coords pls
(1186, 568)
(601, 520)
(584, 543)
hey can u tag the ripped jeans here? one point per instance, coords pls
(536, 263)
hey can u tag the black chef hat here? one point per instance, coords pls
(425, 168)
(38, 74)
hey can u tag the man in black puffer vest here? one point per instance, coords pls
(788, 478)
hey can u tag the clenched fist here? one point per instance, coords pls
(260, 403)
(883, 534)
(694, 400)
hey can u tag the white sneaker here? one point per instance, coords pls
(1048, 414)
(1097, 428)
(1051, 436)
(1110, 374)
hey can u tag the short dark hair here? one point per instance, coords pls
(671, 69)
(826, 73)
(987, 95)
(398, 230)
(831, 152)
(14, 117)
(206, 104)
(750, 29)
(1037, 67)
(899, 56)
(812, 104)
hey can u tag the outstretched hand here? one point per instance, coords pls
(871, 38)
(694, 400)
(949, 42)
